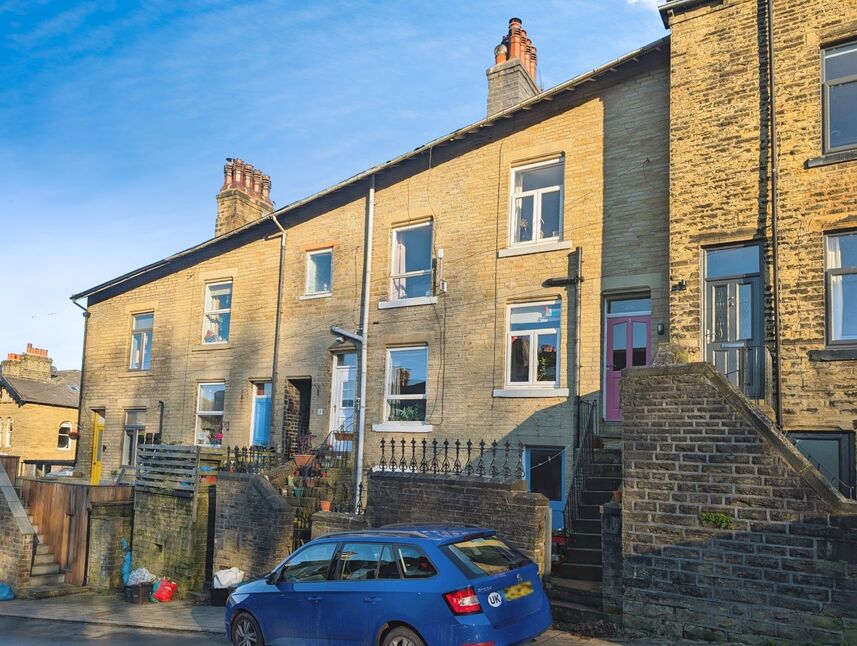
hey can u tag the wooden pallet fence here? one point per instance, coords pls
(177, 470)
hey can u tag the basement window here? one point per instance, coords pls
(839, 87)
(218, 312)
(536, 207)
(833, 455)
(841, 285)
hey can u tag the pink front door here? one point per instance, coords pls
(628, 344)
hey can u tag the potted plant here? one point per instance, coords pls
(298, 492)
(304, 457)
(309, 481)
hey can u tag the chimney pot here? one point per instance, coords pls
(508, 83)
(234, 211)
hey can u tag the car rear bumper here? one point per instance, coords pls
(476, 629)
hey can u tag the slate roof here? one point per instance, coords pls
(62, 390)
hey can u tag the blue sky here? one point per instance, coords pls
(116, 117)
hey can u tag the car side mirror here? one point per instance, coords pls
(273, 577)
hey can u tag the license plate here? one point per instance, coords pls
(517, 591)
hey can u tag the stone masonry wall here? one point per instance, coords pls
(170, 540)
(35, 430)
(16, 537)
(109, 523)
(516, 514)
(783, 571)
(253, 529)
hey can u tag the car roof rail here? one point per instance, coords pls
(381, 530)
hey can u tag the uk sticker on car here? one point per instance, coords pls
(495, 599)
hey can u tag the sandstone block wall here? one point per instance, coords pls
(253, 530)
(784, 570)
(35, 429)
(17, 537)
(109, 523)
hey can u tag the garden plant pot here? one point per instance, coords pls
(310, 481)
(303, 459)
(298, 492)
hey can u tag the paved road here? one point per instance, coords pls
(42, 632)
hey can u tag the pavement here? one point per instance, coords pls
(108, 617)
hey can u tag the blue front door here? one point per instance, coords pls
(545, 469)
(261, 414)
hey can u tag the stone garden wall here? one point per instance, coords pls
(109, 523)
(782, 565)
(16, 537)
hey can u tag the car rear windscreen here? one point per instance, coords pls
(487, 555)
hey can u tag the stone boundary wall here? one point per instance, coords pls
(170, 539)
(17, 537)
(109, 523)
(516, 514)
(783, 571)
(327, 522)
(254, 525)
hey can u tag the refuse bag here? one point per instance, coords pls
(228, 578)
(6, 593)
(126, 561)
(140, 575)
(166, 590)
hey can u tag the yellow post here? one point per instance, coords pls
(97, 447)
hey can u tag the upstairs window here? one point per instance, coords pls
(537, 202)
(218, 311)
(64, 436)
(141, 340)
(533, 345)
(406, 393)
(319, 272)
(209, 414)
(412, 275)
(841, 279)
(840, 97)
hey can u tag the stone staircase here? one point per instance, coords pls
(575, 585)
(46, 577)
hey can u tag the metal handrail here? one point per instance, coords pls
(835, 481)
(583, 459)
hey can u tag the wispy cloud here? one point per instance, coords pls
(649, 4)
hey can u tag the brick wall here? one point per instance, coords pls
(253, 529)
(784, 571)
(516, 514)
(109, 523)
(170, 540)
(35, 429)
(17, 537)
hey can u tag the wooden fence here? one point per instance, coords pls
(10, 465)
(61, 511)
(176, 470)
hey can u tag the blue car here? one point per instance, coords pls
(401, 585)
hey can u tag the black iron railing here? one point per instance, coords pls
(486, 460)
(335, 450)
(583, 458)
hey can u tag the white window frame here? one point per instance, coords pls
(307, 290)
(388, 395)
(394, 257)
(200, 413)
(206, 311)
(537, 204)
(829, 272)
(67, 435)
(8, 431)
(129, 442)
(533, 382)
(147, 336)
(826, 84)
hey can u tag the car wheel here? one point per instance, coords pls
(246, 631)
(401, 636)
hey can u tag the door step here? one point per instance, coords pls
(566, 613)
(583, 593)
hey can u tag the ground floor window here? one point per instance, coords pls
(209, 414)
(136, 436)
(533, 344)
(833, 455)
(406, 393)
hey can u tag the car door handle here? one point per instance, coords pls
(371, 599)
(314, 599)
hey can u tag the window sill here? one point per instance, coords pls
(833, 354)
(530, 392)
(831, 158)
(539, 247)
(403, 427)
(407, 302)
(136, 373)
(311, 297)
(206, 347)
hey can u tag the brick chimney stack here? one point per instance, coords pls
(513, 77)
(32, 364)
(244, 197)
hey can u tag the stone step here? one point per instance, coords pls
(46, 580)
(580, 539)
(607, 456)
(601, 482)
(586, 526)
(607, 471)
(583, 555)
(566, 614)
(42, 549)
(590, 512)
(44, 559)
(584, 593)
(53, 590)
(50, 568)
(580, 572)
(597, 498)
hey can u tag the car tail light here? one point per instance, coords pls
(463, 602)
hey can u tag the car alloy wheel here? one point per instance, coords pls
(401, 641)
(245, 632)
(401, 636)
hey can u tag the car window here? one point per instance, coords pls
(414, 562)
(310, 564)
(358, 561)
(387, 568)
(487, 555)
